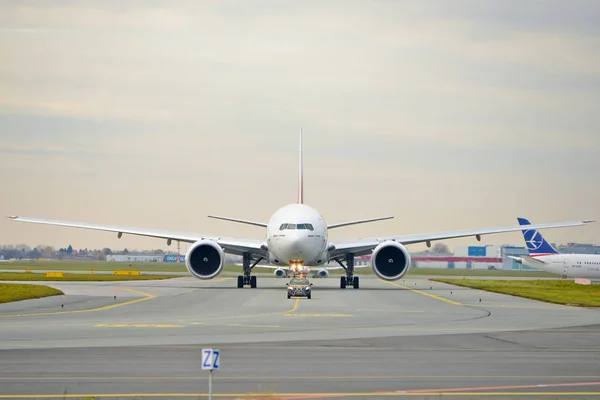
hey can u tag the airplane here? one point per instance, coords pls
(543, 256)
(297, 239)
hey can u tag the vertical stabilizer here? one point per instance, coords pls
(300, 174)
(536, 244)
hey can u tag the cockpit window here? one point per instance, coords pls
(296, 226)
(306, 226)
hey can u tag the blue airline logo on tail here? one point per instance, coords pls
(533, 239)
(536, 244)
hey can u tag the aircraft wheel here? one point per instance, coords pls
(240, 281)
(355, 282)
(253, 281)
(343, 282)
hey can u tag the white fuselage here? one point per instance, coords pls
(297, 235)
(571, 265)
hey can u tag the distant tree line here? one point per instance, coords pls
(23, 251)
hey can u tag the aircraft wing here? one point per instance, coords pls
(364, 246)
(360, 221)
(230, 245)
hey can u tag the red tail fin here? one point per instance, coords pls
(300, 174)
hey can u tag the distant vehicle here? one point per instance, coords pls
(299, 287)
(543, 256)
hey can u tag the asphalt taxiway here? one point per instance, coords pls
(387, 339)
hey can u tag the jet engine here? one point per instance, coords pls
(322, 273)
(205, 259)
(279, 273)
(390, 260)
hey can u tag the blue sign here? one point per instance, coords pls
(174, 258)
(476, 251)
(210, 359)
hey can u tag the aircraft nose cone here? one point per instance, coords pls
(295, 248)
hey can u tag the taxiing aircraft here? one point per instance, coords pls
(297, 239)
(544, 257)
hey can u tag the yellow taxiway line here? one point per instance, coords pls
(291, 312)
(295, 307)
(147, 296)
(433, 296)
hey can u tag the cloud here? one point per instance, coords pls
(458, 115)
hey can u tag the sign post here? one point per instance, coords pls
(210, 361)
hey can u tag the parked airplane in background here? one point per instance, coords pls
(296, 239)
(544, 257)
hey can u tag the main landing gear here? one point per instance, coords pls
(247, 278)
(349, 279)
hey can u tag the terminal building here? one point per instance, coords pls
(488, 257)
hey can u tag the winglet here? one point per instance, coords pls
(300, 174)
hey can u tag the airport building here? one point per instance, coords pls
(579, 248)
(490, 257)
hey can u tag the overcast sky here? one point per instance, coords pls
(448, 115)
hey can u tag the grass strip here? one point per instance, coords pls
(456, 272)
(15, 292)
(478, 272)
(26, 276)
(83, 265)
(552, 291)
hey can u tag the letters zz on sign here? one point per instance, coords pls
(210, 358)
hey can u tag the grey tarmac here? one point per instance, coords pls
(411, 338)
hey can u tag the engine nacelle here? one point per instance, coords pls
(322, 273)
(205, 259)
(390, 261)
(279, 273)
